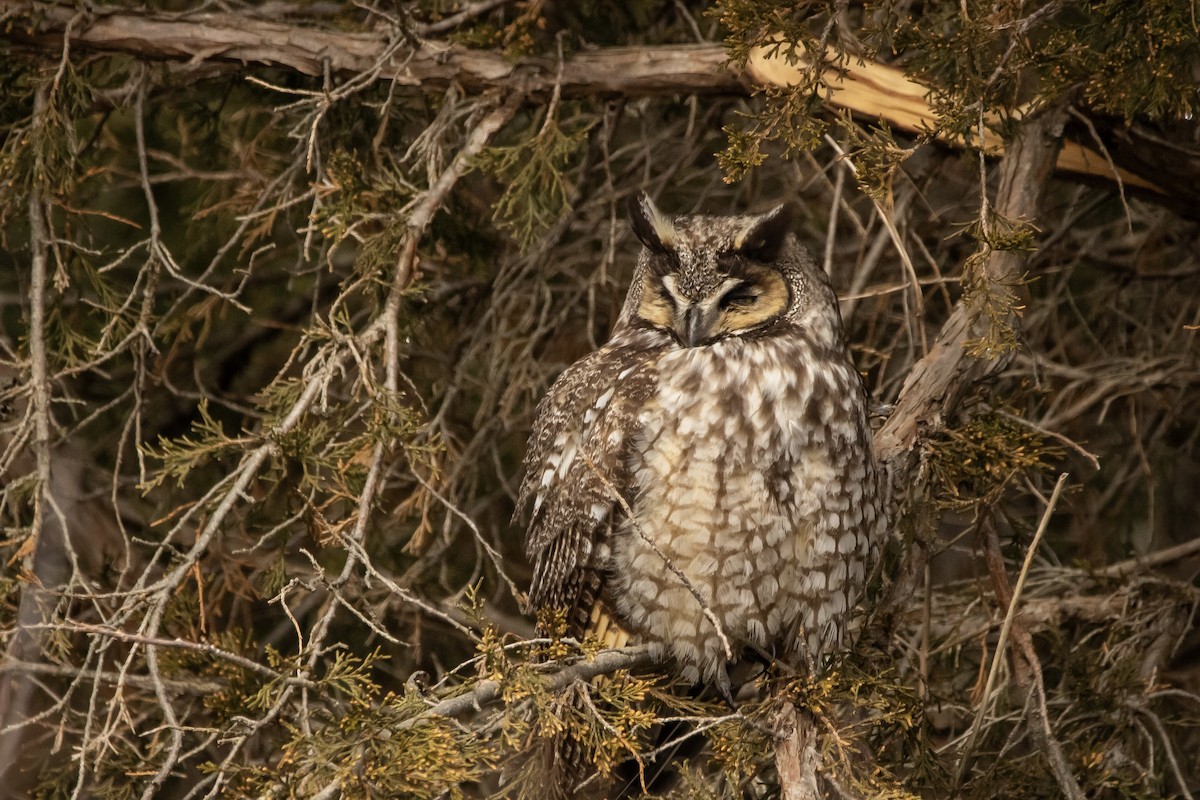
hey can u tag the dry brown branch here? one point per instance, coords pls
(938, 381)
(226, 38)
(1151, 560)
(796, 755)
(198, 687)
(1031, 674)
(867, 87)
(39, 372)
(46, 545)
(182, 644)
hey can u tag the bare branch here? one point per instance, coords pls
(866, 87)
(939, 380)
(1012, 597)
(605, 663)
(232, 39)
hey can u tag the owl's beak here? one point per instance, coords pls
(695, 327)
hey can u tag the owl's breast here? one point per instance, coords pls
(737, 483)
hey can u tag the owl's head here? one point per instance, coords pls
(705, 278)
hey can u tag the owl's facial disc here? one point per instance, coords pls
(756, 297)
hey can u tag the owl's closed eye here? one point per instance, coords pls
(746, 292)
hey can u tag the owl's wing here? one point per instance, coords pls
(576, 468)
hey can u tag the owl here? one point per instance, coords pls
(704, 482)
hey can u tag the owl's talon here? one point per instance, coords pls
(726, 688)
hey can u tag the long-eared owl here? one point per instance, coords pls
(712, 460)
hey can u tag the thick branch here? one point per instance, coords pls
(796, 757)
(883, 91)
(242, 40)
(940, 379)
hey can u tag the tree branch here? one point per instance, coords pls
(796, 758)
(940, 379)
(863, 86)
(197, 38)
(883, 91)
(604, 663)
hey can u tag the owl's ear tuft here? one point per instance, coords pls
(764, 235)
(651, 226)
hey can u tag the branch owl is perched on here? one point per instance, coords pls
(726, 416)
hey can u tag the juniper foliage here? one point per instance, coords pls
(270, 344)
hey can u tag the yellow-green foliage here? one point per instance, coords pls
(367, 755)
(876, 157)
(995, 303)
(180, 455)
(971, 465)
(787, 116)
(536, 190)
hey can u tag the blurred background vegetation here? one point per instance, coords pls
(275, 313)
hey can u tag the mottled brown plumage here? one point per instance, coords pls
(726, 414)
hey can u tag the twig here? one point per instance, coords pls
(422, 213)
(1180, 780)
(1155, 559)
(1116, 173)
(1002, 640)
(834, 208)
(33, 552)
(181, 644)
(667, 562)
(469, 12)
(1058, 437)
(886, 217)
(39, 380)
(605, 663)
(493, 554)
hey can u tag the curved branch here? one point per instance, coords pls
(939, 380)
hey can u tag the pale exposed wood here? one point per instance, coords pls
(879, 90)
(796, 755)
